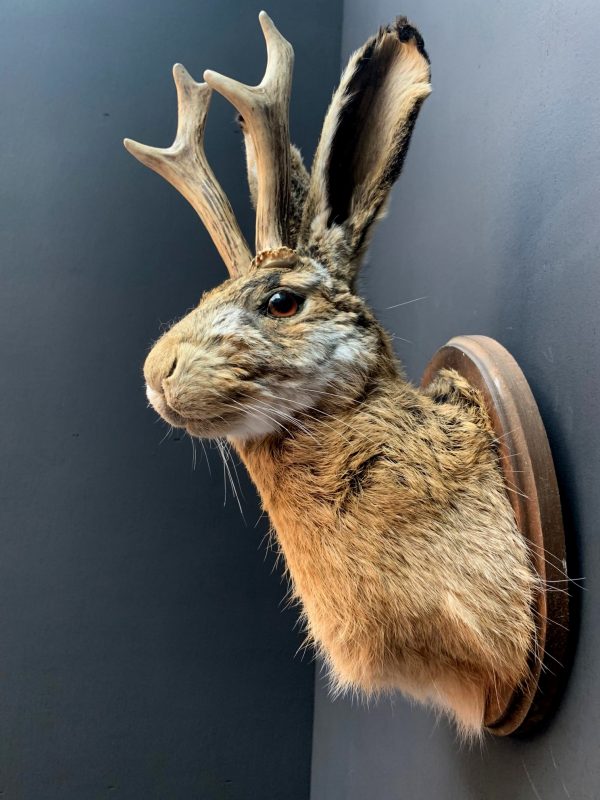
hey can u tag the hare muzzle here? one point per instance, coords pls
(180, 383)
(158, 369)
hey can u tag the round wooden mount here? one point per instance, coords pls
(530, 480)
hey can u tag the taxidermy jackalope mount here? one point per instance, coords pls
(389, 502)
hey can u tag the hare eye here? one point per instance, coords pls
(283, 304)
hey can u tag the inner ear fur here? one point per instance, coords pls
(363, 144)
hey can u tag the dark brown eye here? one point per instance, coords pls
(283, 304)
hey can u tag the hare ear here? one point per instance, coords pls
(364, 141)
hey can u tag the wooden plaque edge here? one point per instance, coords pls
(530, 480)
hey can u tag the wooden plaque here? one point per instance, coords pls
(530, 479)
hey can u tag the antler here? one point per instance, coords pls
(185, 166)
(264, 109)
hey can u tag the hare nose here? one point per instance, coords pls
(160, 363)
(172, 370)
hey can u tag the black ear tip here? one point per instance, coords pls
(405, 32)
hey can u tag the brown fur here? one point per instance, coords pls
(401, 544)
(387, 501)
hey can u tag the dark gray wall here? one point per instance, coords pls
(143, 650)
(495, 222)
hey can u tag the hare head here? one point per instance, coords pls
(288, 322)
(387, 501)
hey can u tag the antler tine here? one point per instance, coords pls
(185, 166)
(265, 109)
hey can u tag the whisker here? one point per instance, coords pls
(206, 454)
(227, 471)
(407, 302)
(263, 414)
(549, 619)
(512, 488)
(304, 408)
(193, 451)
(551, 555)
(497, 439)
(218, 443)
(167, 434)
(234, 465)
(285, 415)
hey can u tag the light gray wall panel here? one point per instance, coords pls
(495, 223)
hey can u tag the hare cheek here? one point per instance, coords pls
(252, 426)
(229, 321)
(348, 353)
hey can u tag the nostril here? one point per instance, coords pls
(172, 370)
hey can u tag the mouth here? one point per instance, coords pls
(202, 428)
(251, 420)
(159, 403)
